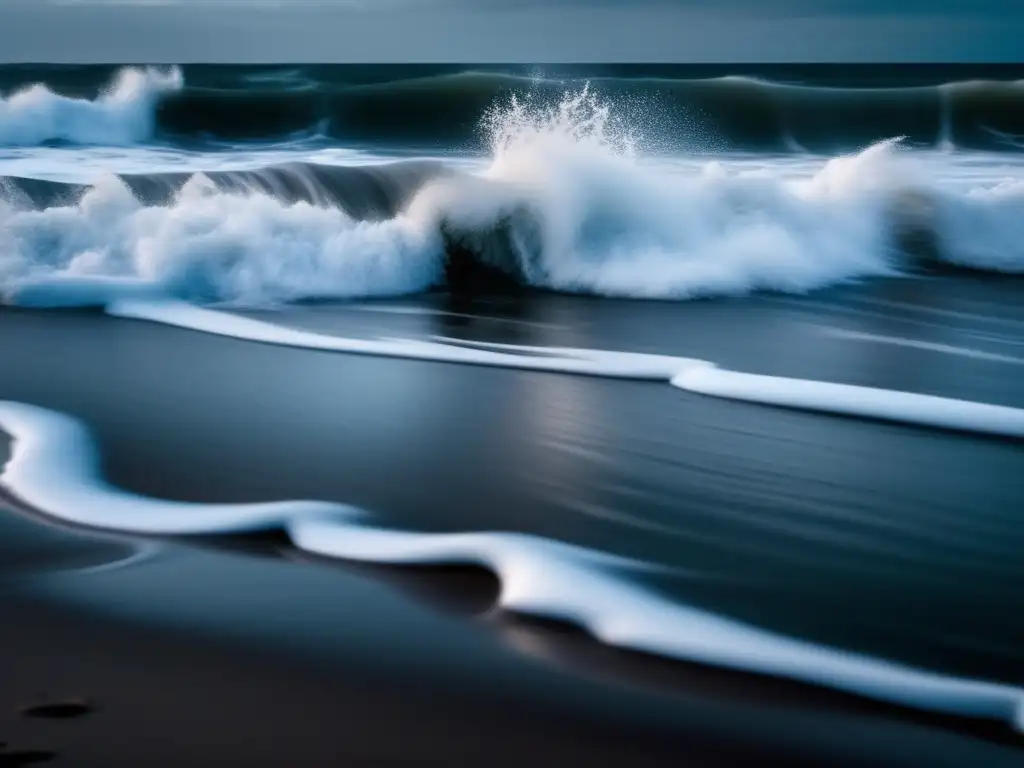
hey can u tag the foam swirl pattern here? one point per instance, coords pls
(54, 469)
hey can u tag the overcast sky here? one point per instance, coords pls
(540, 31)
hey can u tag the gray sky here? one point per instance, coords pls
(540, 31)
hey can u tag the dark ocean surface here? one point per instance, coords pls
(824, 108)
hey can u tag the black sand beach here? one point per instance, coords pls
(889, 540)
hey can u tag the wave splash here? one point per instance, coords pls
(125, 113)
(567, 203)
(577, 209)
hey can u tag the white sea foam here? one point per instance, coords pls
(696, 376)
(124, 114)
(848, 400)
(983, 228)
(565, 201)
(54, 468)
(555, 360)
(250, 249)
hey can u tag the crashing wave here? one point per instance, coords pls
(125, 113)
(566, 204)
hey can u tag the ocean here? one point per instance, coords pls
(684, 399)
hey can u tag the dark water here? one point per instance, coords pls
(824, 108)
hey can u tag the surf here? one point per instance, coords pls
(567, 201)
(123, 113)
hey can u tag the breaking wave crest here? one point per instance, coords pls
(125, 113)
(566, 203)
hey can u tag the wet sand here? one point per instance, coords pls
(234, 673)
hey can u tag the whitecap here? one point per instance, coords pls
(125, 113)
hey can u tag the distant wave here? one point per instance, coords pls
(722, 113)
(728, 113)
(564, 205)
(125, 113)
